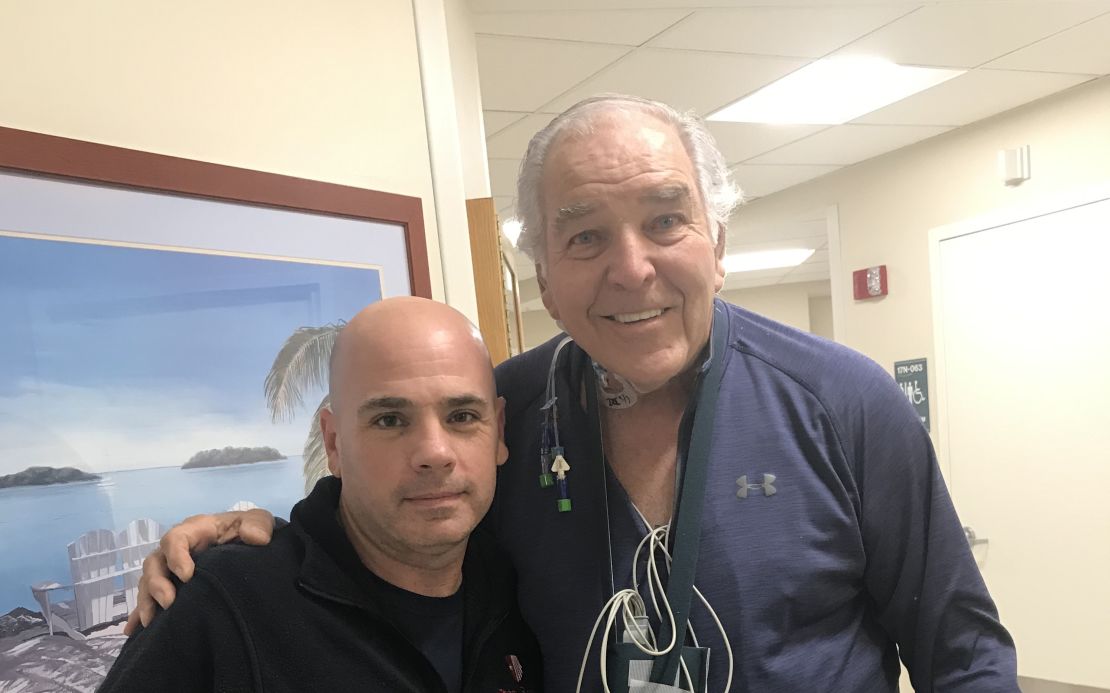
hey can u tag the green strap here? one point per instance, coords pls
(686, 524)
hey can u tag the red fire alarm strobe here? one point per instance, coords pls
(869, 283)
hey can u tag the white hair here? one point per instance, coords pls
(718, 191)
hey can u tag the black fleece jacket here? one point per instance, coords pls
(296, 616)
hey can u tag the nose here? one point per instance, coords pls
(631, 261)
(433, 449)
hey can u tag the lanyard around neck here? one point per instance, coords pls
(692, 470)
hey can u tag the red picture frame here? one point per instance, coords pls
(49, 155)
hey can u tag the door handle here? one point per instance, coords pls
(973, 540)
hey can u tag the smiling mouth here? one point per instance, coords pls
(434, 497)
(629, 318)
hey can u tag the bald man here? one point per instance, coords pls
(377, 583)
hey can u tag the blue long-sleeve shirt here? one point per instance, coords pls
(858, 555)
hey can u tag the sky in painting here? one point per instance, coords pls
(120, 358)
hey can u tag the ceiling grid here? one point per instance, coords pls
(537, 57)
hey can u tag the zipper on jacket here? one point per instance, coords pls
(385, 622)
(474, 655)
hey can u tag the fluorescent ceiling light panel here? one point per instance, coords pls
(512, 228)
(766, 259)
(833, 91)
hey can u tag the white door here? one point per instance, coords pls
(1022, 319)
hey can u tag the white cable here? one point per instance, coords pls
(618, 601)
(554, 364)
(655, 534)
(549, 395)
(724, 636)
(712, 614)
(659, 537)
(654, 537)
(632, 604)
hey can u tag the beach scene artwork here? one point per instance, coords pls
(138, 386)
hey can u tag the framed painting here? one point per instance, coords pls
(166, 326)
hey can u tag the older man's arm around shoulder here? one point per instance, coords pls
(199, 645)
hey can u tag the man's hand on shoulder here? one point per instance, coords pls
(173, 556)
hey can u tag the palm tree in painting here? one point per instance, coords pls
(301, 366)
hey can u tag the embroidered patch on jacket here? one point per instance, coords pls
(514, 668)
(767, 486)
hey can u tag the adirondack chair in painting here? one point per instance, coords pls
(92, 565)
(100, 562)
(133, 544)
(58, 614)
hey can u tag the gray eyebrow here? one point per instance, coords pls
(572, 212)
(666, 193)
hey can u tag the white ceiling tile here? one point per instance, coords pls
(847, 144)
(772, 274)
(819, 259)
(741, 141)
(1083, 49)
(783, 243)
(968, 34)
(797, 276)
(811, 267)
(523, 74)
(794, 31)
(512, 142)
(809, 234)
(819, 256)
(971, 97)
(495, 121)
(734, 282)
(764, 179)
(683, 79)
(502, 176)
(624, 27)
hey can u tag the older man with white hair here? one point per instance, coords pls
(783, 479)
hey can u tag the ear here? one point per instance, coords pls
(545, 293)
(719, 254)
(330, 433)
(502, 450)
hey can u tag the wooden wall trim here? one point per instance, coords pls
(68, 158)
(489, 288)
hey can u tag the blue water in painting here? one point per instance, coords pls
(37, 522)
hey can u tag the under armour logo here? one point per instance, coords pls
(767, 486)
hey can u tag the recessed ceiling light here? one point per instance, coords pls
(512, 228)
(833, 91)
(766, 259)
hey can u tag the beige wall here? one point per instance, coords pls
(463, 49)
(327, 91)
(786, 303)
(820, 316)
(538, 328)
(887, 205)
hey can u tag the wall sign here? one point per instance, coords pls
(913, 377)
